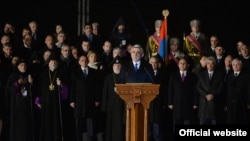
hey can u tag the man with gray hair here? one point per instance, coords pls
(138, 70)
(209, 88)
(237, 94)
(95, 27)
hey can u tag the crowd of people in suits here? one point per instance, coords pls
(56, 87)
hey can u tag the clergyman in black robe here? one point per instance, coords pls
(52, 90)
(21, 118)
(113, 105)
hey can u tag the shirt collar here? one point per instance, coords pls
(238, 72)
(86, 68)
(138, 63)
(185, 72)
(210, 71)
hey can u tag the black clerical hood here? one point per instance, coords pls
(117, 60)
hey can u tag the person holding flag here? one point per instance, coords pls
(157, 42)
(163, 49)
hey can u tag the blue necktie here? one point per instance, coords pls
(90, 38)
(85, 73)
(136, 67)
(219, 60)
(34, 36)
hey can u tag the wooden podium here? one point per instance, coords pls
(137, 97)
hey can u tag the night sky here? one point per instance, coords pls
(229, 20)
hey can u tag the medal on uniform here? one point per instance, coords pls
(51, 87)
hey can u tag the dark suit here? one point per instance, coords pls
(183, 96)
(156, 107)
(205, 86)
(220, 64)
(95, 42)
(120, 39)
(208, 51)
(221, 117)
(38, 40)
(246, 63)
(25, 53)
(237, 98)
(145, 73)
(84, 92)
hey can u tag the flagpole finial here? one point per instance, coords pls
(165, 13)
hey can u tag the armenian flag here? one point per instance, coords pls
(162, 50)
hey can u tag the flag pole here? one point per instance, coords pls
(165, 14)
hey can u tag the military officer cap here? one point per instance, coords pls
(174, 40)
(117, 60)
(158, 23)
(195, 22)
(136, 46)
(52, 57)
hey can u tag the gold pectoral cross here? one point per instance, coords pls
(51, 87)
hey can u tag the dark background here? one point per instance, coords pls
(229, 19)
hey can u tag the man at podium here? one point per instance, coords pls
(138, 70)
(137, 94)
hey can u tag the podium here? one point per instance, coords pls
(137, 97)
